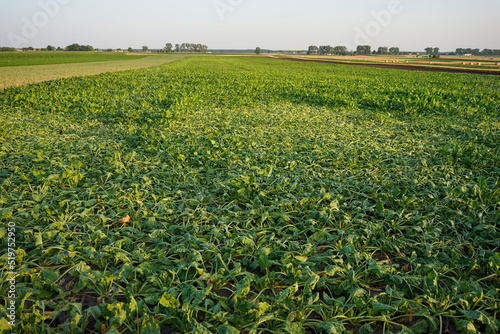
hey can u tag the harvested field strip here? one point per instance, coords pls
(23, 75)
(401, 67)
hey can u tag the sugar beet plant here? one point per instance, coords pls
(249, 195)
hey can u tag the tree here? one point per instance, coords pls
(432, 52)
(326, 50)
(477, 52)
(322, 49)
(78, 47)
(50, 48)
(383, 50)
(186, 47)
(394, 51)
(313, 49)
(340, 50)
(145, 48)
(364, 50)
(258, 50)
(130, 49)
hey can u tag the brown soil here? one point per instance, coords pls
(399, 67)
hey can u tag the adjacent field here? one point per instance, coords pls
(443, 60)
(253, 195)
(25, 75)
(50, 58)
(477, 65)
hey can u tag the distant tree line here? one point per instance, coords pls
(328, 50)
(313, 49)
(186, 47)
(432, 52)
(78, 47)
(384, 50)
(363, 50)
(477, 52)
(343, 51)
(169, 48)
(48, 48)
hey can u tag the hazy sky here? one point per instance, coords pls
(411, 25)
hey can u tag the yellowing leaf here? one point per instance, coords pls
(4, 325)
(169, 301)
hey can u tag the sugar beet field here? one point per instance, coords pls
(251, 195)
